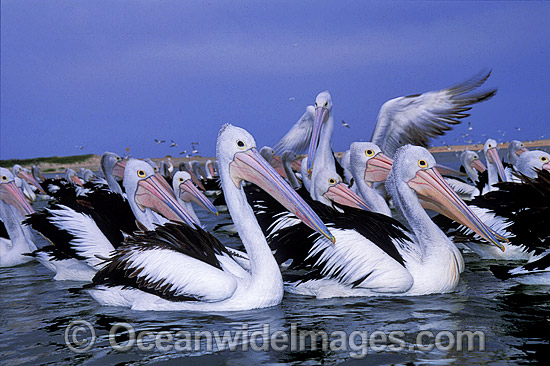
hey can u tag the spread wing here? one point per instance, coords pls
(298, 137)
(416, 119)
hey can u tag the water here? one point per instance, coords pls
(513, 318)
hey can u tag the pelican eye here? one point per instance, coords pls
(118, 158)
(369, 152)
(4, 178)
(181, 180)
(544, 159)
(489, 146)
(422, 163)
(332, 181)
(241, 145)
(156, 169)
(326, 104)
(141, 173)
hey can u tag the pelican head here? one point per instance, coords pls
(330, 188)
(530, 161)
(267, 153)
(152, 163)
(323, 109)
(239, 160)
(149, 190)
(367, 157)
(472, 164)
(491, 154)
(20, 172)
(71, 176)
(185, 189)
(112, 164)
(11, 194)
(515, 149)
(416, 166)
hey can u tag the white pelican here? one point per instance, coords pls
(186, 192)
(85, 229)
(536, 272)
(178, 268)
(13, 208)
(475, 170)
(369, 165)
(495, 169)
(413, 119)
(517, 211)
(374, 254)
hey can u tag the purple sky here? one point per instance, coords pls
(109, 75)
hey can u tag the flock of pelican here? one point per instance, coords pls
(385, 220)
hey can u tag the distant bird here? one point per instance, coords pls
(195, 143)
(183, 152)
(195, 151)
(80, 147)
(159, 141)
(173, 144)
(470, 126)
(344, 124)
(291, 99)
(518, 128)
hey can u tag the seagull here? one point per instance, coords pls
(183, 152)
(195, 151)
(159, 141)
(80, 147)
(344, 124)
(470, 126)
(173, 144)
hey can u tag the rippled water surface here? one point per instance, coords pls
(35, 311)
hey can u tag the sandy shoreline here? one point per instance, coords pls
(93, 162)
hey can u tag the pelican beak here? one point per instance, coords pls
(492, 156)
(211, 168)
(154, 193)
(439, 196)
(321, 115)
(29, 178)
(296, 165)
(521, 151)
(546, 166)
(77, 180)
(442, 169)
(378, 168)
(13, 196)
(188, 192)
(196, 180)
(118, 169)
(478, 165)
(249, 165)
(340, 193)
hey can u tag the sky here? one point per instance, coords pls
(109, 75)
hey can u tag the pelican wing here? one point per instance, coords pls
(298, 137)
(175, 262)
(416, 119)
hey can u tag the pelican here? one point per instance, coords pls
(515, 149)
(287, 159)
(178, 268)
(475, 171)
(24, 174)
(373, 253)
(495, 169)
(85, 232)
(536, 272)
(414, 119)
(369, 165)
(186, 192)
(517, 211)
(13, 208)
